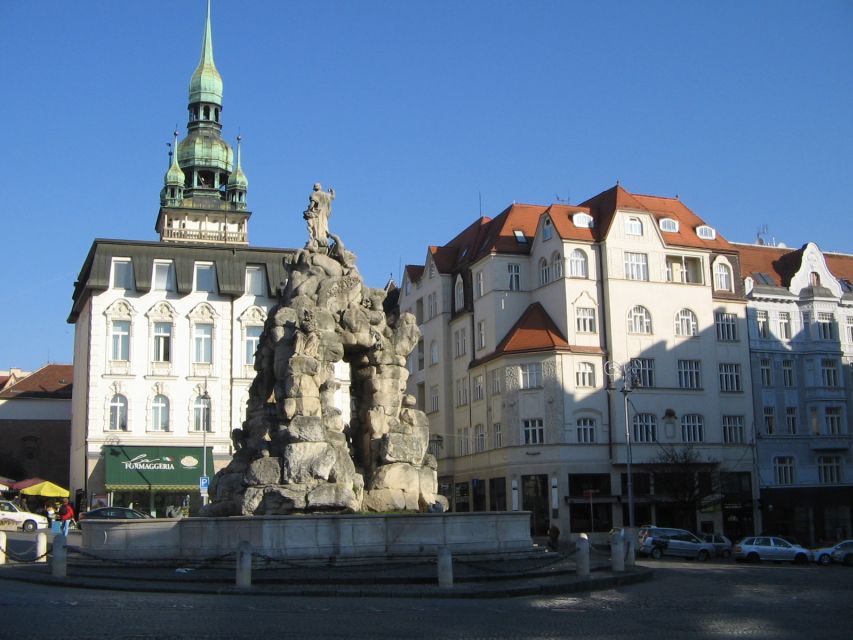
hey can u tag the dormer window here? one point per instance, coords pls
(705, 232)
(519, 236)
(633, 226)
(547, 230)
(669, 225)
(582, 220)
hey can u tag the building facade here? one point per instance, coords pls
(166, 331)
(533, 322)
(801, 344)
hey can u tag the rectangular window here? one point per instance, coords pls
(585, 320)
(788, 373)
(825, 326)
(514, 271)
(644, 372)
(829, 469)
(783, 469)
(850, 329)
(253, 339)
(203, 344)
(791, 420)
(533, 431)
(733, 432)
(586, 430)
(730, 377)
(770, 420)
(832, 421)
(256, 281)
(636, 266)
(162, 342)
(481, 334)
(726, 324)
(785, 325)
(531, 375)
(460, 342)
(763, 326)
(585, 375)
(461, 392)
(205, 277)
(692, 428)
(432, 306)
(120, 341)
(766, 377)
(433, 352)
(829, 372)
(689, 374)
(433, 398)
(478, 387)
(421, 354)
(478, 284)
(164, 276)
(496, 432)
(807, 321)
(496, 376)
(122, 274)
(645, 427)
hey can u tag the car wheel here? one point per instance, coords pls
(752, 557)
(703, 555)
(29, 526)
(824, 560)
(801, 558)
(656, 553)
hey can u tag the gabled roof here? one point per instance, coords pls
(534, 331)
(414, 272)
(780, 264)
(51, 381)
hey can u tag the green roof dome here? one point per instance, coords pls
(238, 178)
(206, 83)
(175, 175)
(205, 149)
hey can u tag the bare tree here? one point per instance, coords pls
(686, 481)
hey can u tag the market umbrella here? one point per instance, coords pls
(39, 487)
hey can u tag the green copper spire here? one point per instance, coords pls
(206, 83)
(238, 178)
(175, 175)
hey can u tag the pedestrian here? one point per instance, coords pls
(66, 515)
(51, 514)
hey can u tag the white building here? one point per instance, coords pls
(520, 316)
(801, 342)
(165, 332)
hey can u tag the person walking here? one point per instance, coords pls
(66, 515)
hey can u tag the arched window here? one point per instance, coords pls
(582, 220)
(557, 265)
(722, 276)
(577, 264)
(160, 413)
(633, 226)
(201, 414)
(639, 320)
(686, 324)
(544, 271)
(479, 438)
(669, 225)
(459, 294)
(814, 279)
(118, 413)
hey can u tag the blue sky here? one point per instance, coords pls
(414, 112)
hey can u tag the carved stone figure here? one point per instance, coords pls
(294, 453)
(317, 216)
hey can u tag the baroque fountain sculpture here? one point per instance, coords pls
(294, 452)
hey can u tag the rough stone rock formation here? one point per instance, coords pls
(295, 453)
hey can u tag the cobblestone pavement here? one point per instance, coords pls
(685, 600)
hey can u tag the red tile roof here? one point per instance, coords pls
(414, 272)
(534, 331)
(51, 381)
(780, 264)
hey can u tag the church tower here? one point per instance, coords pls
(203, 199)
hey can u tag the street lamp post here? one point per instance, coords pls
(205, 426)
(627, 371)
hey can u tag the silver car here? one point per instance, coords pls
(774, 548)
(722, 544)
(662, 541)
(823, 555)
(844, 553)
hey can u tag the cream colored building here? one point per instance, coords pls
(521, 316)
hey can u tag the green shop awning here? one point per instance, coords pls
(154, 468)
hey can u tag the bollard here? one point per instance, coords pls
(583, 556)
(244, 566)
(445, 568)
(2, 547)
(41, 547)
(59, 558)
(630, 549)
(617, 551)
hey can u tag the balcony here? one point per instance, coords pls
(205, 235)
(830, 443)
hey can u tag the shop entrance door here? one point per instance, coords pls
(534, 498)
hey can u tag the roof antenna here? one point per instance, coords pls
(759, 235)
(480, 195)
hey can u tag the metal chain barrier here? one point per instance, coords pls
(142, 562)
(22, 560)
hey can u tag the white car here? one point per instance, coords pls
(24, 519)
(824, 554)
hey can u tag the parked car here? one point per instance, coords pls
(823, 555)
(660, 541)
(113, 513)
(774, 548)
(24, 519)
(722, 544)
(844, 553)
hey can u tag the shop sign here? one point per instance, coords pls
(154, 467)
